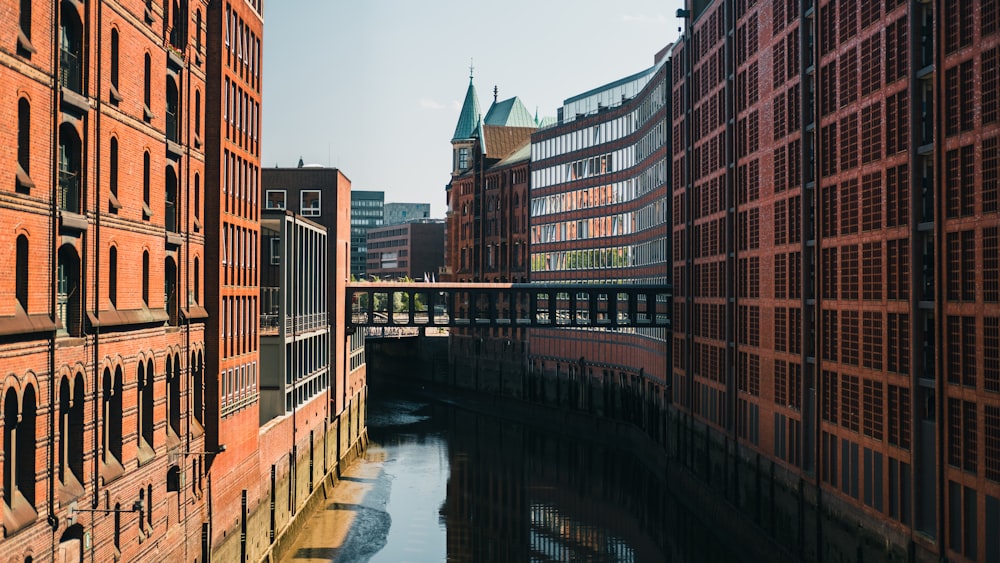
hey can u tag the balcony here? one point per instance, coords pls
(69, 191)
(70, 71)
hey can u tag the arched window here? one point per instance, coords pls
(69, 168)
(112, 404)
(171, 202)
(197, 280)
(67, 291)
(197, 113)
(113, 276)
(197, 33)
(24, 46)
(146, 209)
(115, 205)
(145, 278)
(197, 196)
(24, 182)
(25, 456)
(115, 94)
(147, 88)
(71, 404)
(173, 111)
(170, 298)
(71, 63)
(174, 394)
(10, 408)
(197, 385)
(145, 378)
(22, 272)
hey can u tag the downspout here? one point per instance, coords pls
(97, 262)
(53, 521)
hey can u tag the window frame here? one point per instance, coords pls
(284, 200)
(311, 211)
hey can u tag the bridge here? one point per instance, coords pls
(399, 304)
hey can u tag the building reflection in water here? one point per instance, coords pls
(520, 493)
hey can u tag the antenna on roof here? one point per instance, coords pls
(495, 90)
(471, 68)
(301, 164)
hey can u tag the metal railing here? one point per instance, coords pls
(69, 191)
(70, 75)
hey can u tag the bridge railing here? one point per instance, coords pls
(496, 304)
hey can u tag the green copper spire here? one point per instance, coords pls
(468, 120)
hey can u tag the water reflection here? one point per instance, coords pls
(442, 483)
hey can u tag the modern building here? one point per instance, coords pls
(414, 250)
(320, 195)
(600, 213)
(102, 330)
(836, 254)
(396, 213)
(367, 211)
(294, 315)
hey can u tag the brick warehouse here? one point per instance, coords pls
(131, 145)
(835, 259)
(486, 227)
(102, 378)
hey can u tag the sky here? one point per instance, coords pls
(374, 87)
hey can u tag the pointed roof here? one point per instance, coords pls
(470, 116)
(509, 113)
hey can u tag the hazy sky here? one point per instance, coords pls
(374, 87)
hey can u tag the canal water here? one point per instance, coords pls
(445, 483)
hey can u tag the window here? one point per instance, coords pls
(197, 281)
(111, 402)
(145, 278)
(275, 199)
(19, 448)
(310, 203)
(146, 209)
(21, 272)
(198, 375)
(68, 303)
(70, 48)
(174, 394)
(145, 400)
(147, 88)
(113, 276)
(197, 202)
(114, 203)
(23, 182)
(24, 46)
(171, 202)
(173, 111)
(463, 158)
(197, 116)
(69, 168)
(71, 403)
(170, 297)
(275, 250)
(115, 93)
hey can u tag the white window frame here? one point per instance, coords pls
(310, 211)
(284, 199)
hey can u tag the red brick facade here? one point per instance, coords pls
(835, 253)
(103, 254)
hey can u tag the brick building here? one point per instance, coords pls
(599, 214)
(486, 228)
(414, 249)
(835, 254)
(103, 401)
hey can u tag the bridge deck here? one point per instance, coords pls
(508, 305)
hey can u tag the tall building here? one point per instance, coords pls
(103, 325)
(414, 249)
(320, 195)
(836, 253)
(396, 213)
(487, 217)
(367, 211)
(232, 230)
(486, 227)
(600, 214)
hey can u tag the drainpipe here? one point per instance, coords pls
(53, 521)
